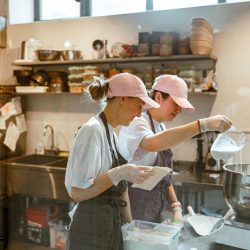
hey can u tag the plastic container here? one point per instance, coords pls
(31, 89)
(143, 235)
(58, 234)
(227, 144)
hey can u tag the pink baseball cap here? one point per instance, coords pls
(126, 84)
(176, 88)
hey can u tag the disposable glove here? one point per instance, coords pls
(177, 217)
(131, 173)
(215, 123)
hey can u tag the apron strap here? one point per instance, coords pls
(105, 123)
(152, 123)
(162, 185)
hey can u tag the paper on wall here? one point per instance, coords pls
(8, 109)
(11, 137)
(17, 103)
(21, 123)
(2, 122)
(159, 173)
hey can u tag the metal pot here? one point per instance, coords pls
(236, 188)
(40, 78)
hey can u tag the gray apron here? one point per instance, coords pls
(148, 205)
(97, 222)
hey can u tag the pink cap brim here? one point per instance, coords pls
(149, 103)
(184, 103)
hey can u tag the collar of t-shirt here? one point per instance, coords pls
(157, 124)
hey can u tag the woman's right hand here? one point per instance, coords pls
(131, 173)
(215, 123)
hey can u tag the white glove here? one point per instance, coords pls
(177, 217)
(215, 123)
(177, 214)
(131, 173)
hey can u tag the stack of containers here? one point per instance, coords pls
(88, 75)
(201, 37)
(75, 79)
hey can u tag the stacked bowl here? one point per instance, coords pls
(201, 37)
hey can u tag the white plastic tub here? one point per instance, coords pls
(143, 235)
(31, 89)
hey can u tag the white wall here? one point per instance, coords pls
(231, 48)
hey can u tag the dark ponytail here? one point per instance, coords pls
(99, 88)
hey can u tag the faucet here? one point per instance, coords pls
(53, 149)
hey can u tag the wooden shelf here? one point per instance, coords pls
(156, 59)
(47, 93)
(200, 62)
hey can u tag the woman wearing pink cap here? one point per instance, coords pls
(147, 142)
(96, 173)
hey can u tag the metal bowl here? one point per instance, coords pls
(71, 54)
(236, 188)
(48, 54)
(23, 76)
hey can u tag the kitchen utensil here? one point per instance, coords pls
(40, 78)
(205, 225)
(58, 81)
(220, 222)
(23, 76)
(228, 143)
(48, 54)
(98, 49)
(200, 223)
(236, 188)
(71, 54)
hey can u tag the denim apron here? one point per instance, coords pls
(148, 205)
(97, 222)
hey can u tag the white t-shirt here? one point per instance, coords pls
(130, 138)
(89, 156)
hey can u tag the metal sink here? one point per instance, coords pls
(35, 159)
(62, 163)
(36, 175)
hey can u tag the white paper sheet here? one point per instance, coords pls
(17, 102)
(21, 123)
(2, 123)
(8, 109)
(150, 183)
(11, 137)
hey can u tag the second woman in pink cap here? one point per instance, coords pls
(146, 141)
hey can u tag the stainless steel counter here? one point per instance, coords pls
(189, 175)
(191, 184)
(230, 238)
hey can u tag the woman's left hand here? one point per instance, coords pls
(177, 217)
